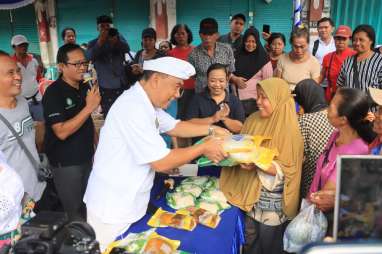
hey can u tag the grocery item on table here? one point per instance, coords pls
(213, 195)
(197, 180)
(202, 216)
(243, 149)
(132, 243)
(213, 183)
(163, 218)
(213, 207)
(179, 200)
(158, 244)
(194, 189)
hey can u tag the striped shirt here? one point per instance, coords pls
(369, 73)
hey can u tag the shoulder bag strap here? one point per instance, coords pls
(20, 141)
(315, 47)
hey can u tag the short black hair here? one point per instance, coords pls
(238, 16)
(62, 54)
(67, 29)
(325, 19)
(175, 30)
(298, 32)
(104, 19)
(168, 43)
(218, 66)
(369, 30)
(275, 36)
(149, 32)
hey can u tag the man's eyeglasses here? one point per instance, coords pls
(79, 64)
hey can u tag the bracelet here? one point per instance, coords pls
(211, 131)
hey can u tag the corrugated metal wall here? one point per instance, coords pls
(130, 17)
(356, 12)
(24, 22)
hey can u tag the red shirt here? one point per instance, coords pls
(183, 53)
(335, 68)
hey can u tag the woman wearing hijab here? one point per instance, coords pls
(270, 197)
(314, 125)
(253, 64)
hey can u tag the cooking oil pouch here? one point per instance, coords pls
(157, 244)
(163, 218)
(202, 216)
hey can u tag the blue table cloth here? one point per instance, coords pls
(226, 238)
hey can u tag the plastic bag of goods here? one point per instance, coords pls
(191, 188)
(163, 218)
(202, 216)
(213, 207)
(132, 243)
(243, 149)
(157, 244)
(179, 200)
(197, 180)
(308, 226)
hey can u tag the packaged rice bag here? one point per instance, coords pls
(157, 244)
(213, 195)
(198, 180)
(194, 189)
(179, 200)
(163, 218)
(132, 243)
(243, 149)
(213, 183)
(202, 216)
(212, 207)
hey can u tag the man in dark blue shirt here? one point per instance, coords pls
(107, 52)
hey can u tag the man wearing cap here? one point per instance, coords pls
(107, 52)
(31, 72)
(331, 65)
(131, 149)
(210, 51)
(376, 146)
(234, 37)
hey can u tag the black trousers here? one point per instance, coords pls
(263, 239)
(108, 97)
(71, 182)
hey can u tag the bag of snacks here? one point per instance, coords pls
(213, 195)
(163, 218)
(179, 200)
(213, 207)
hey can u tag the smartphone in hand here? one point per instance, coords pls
(266, 29)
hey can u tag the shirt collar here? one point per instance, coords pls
(330, 42)
(29, 57)
(145, 98)
(207, 95)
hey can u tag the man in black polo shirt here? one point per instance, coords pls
(69, 137)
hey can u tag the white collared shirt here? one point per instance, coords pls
(29, 85)
(119, 186)
(323, 49)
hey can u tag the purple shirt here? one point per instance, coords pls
(328, 172)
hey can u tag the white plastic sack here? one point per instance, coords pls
(308, 226)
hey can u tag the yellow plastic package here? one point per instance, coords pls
(158, 244)
(163, 218)
(202, 216)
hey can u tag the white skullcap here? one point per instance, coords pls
(171, 66)
(18, 39)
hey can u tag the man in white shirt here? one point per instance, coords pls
(131, 149)
(31, 72)
(325, 43)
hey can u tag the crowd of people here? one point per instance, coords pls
(318, 101)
